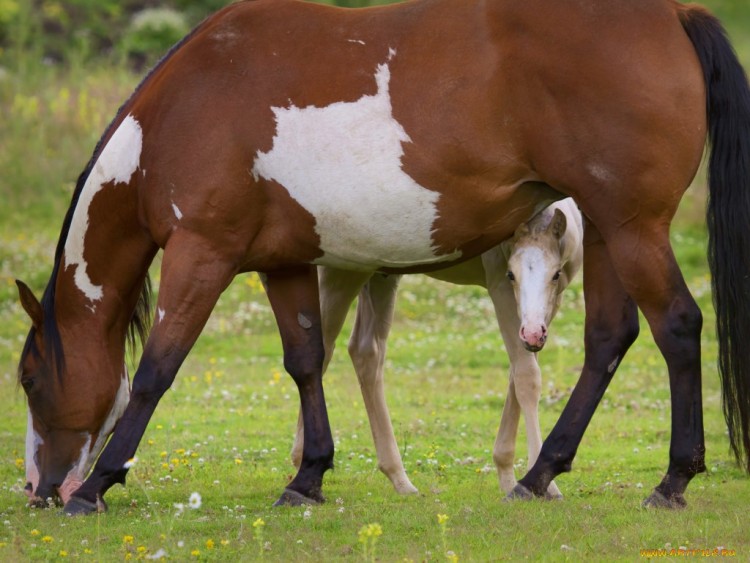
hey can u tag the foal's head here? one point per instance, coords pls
(74, 400)
(535, 270)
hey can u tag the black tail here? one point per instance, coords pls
(728, 107)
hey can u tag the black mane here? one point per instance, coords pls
(140, 322)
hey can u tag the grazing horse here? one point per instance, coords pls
(281, 135)
(524, 276)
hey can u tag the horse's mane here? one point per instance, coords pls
(140, 322)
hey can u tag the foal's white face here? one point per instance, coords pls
(535, 271)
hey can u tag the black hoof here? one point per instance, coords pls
(80, 507)
(292, 498)
(658, 500)
(519, 492)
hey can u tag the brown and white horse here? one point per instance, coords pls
(280, 135)
(525, 277)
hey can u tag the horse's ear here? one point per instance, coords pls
(558, 224)
(522, 231)
(30, 304)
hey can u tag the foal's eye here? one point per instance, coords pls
(510, 275)
(556, 276)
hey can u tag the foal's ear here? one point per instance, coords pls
(30, 304)
(522, 231)
(558, 224)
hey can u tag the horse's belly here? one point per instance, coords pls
(342, 163)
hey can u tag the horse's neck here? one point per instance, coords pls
(104, 262)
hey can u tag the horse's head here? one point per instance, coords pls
(535, 268)
(72, 406)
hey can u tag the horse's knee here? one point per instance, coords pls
(365, 356)
(618, 335)
(151, 381)
(304, 363)
(504, 455)
(681, 328)
(528, 386)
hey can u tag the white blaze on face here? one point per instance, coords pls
(116, 163)
(532, 286)
(342, 163)
(33, 441)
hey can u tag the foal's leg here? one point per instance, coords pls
(338, 288)
(524, 387)
(294, 299)
(367, 347)
(191, 282)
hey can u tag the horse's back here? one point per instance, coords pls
(352, 138)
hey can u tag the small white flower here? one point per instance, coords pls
(307, 514)
(195, 501)
(161, 554)
(180, 508)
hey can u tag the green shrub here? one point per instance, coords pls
(152, 32)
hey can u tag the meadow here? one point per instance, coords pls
(216, 453)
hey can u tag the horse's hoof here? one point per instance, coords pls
(77, 506)
(519, 492)
(553, 496)
(292, 498)
(658, 500)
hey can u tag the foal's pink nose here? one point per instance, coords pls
(534, 339)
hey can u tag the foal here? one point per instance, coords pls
(524, 276)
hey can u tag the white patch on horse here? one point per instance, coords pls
(33, 441)
(342, 163)
(356, 41)
(161, 313)
(599, 172)
(531, 303)
(177, 212)
(613, 366)
(117, 162)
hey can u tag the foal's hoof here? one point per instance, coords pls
(552, 496)
(292, 498)
(658, 500)
(81, 507)
(519, 492)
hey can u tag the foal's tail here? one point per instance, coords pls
(728, 108)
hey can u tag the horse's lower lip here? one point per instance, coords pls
(533, 347)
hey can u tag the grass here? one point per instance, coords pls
(225, 428)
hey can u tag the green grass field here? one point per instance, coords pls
(225, 428)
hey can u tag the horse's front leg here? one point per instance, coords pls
(295, 302)
(191, 282)
(338, 289)
(611, 327)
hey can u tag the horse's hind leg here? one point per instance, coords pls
(338, 289)
(191, 282)
(611, 327)
(367, 347)
(294, 299)
(651, 276)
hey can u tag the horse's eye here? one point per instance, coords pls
(556, 276)
(510, 275)
(27, 383)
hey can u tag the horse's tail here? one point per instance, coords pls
(728, 215)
